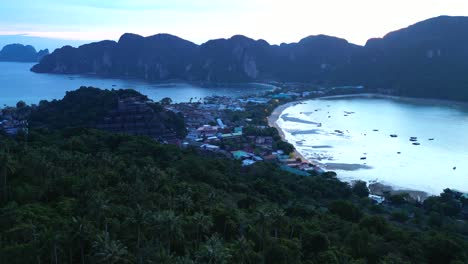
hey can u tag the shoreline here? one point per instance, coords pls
(274, 116)
(376, 187)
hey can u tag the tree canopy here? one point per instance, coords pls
(84, 196)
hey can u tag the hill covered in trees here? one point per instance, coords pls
(22, 53)
(428, 59)
(84, 196)
(123, 111)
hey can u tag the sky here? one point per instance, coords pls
(80, 21)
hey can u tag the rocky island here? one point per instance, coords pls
(22, 53)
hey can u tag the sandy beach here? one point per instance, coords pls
(275, 115)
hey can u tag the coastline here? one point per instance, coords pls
(275, 115)
(376, 188)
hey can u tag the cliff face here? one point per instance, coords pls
(21, 53)
(163, 57)
(427, 59)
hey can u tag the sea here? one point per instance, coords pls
(17, 83)
(411, 144)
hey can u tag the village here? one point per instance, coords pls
(230, 127)
(237, 128)
(13, 121)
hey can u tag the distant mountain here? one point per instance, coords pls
(428, 59)
(163, 57)
(40, 42)
(22, 53)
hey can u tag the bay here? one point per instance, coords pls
(17, 82)
(352, 136)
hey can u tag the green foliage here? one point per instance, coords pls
(86, 196)
(360, 189)
(81, 108)
(284, 146)
(346, 210)
(400, 216)
(166, 101)
(398, 199)
(20, 104)
(446, 204)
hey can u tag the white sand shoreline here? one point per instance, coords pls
(275, 115)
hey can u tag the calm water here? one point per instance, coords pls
(18, 83)
(427, 167)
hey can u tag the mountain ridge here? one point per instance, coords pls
(418, 60)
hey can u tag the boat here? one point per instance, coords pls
(413, 139)
(416, 143)
(431, 139)
(393, 135)
(363, 158)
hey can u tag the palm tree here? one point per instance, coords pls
(108, 250)
(79, 228)
(100, 207)
(295, 226)
(169, 225)
(52, 238)
(35, 234)
(185, 202)
(213, 251)
(7, 167)
(138, 217)
(203, 224)
(278, 219)
(241, 250)
(262, 218)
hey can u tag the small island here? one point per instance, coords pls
(22, 53)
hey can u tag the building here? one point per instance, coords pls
(294, 171)
(281, 96)
(247, 162)
(220, 123)
(231, 135)
(255, 100)
(209, 147)
(207, 130)
(13, 127)
(240, 155)
(378, 199)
